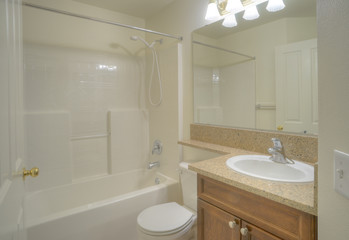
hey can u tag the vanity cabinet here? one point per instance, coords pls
(229, 213)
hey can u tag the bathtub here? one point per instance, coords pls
(105, 208)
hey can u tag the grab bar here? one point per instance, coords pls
(265, 107)
(89, 136)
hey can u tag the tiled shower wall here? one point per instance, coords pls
(78, 104)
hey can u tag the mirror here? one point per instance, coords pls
(261, 74)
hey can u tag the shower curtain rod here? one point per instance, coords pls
(225, 50)
(180, 38)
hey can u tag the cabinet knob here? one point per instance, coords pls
(244, 231)
(232, 224)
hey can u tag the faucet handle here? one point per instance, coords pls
(157, 147)
(277, 143)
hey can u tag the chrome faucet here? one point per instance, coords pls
(153, 164)
(278, 153)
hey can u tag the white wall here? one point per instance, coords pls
(180, 18)
(333, 16)
(51, 28)
(163, 119)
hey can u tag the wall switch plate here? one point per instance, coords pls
(341, 173)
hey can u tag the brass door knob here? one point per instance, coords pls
(280, 128)
(34, 172)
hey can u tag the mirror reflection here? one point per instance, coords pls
(260, 74)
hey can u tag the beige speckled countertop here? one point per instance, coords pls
(299, 196)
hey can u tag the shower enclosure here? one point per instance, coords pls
(87, 121)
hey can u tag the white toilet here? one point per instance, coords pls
(171, 221)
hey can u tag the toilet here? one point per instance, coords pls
(171, 221)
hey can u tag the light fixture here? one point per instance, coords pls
(251, 13)
(275, 5)
(234, 6)
(230, 21)
(212, 13)
(218, 9)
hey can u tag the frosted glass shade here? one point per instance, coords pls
(275, 5)
(212, 13)
(234, 6)
(230, 21)
(251, 13)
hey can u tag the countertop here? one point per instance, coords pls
(301, 196)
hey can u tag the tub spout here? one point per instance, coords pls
(153, 164)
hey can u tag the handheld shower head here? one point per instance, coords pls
(135, 38)
(155, 60)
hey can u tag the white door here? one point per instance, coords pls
(296, 87)
(11, 147)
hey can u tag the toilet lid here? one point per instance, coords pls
(165, 217)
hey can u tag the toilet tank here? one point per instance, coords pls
(189, 186)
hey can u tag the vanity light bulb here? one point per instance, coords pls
(230, 21)
(212, 13)
(234, 6)
(275, 5)
(251, 13)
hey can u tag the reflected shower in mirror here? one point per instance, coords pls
(261, 74)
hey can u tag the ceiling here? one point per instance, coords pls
(294, 8)
(137, 8)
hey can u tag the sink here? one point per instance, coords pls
(260, 166)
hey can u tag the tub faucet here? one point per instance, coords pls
(278, 153)
(153, 164)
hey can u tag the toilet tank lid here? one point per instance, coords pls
(184, 165)
(164, 217)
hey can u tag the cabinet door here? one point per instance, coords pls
(251, 232)
(214, 223)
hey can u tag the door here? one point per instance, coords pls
(214, 223)
(251, 232)
(296, 84)
(11, 147)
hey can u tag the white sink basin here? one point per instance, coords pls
(261, 166)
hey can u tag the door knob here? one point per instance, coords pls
(34, 172)
(280, 128)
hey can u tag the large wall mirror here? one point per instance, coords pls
(261, 74)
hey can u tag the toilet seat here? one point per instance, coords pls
(165, 219)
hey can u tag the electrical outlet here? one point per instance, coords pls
(341, 173)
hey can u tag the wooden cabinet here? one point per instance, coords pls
(229, 213)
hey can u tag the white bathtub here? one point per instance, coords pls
(101, 209)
